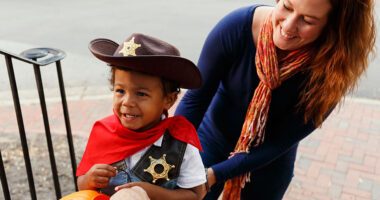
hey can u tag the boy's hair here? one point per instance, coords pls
(167, 85)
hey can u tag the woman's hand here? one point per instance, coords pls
(97, 177)
(211, 179)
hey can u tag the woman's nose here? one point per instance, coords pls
(289, 25)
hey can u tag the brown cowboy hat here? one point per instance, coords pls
(149, 55)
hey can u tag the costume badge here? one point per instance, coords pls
(129, 48)
(161, 162)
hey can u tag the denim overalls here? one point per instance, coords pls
(163, 163)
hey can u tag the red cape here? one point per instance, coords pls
(110, 142)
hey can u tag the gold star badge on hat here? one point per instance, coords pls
(129, 48)
(158, 175)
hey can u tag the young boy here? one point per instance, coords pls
(139, 145)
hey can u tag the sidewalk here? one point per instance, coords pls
(338, 161)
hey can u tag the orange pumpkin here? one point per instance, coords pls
(86, 195)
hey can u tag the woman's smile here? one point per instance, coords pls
(286, 36)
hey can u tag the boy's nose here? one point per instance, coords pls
(128, 101)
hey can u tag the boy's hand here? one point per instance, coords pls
(99, 175)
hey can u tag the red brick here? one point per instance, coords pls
(314, 157)
(347, 149)
(356, 192)
(360, 198)
(300, 172)
(324, 180)
(363, 135)
(347, 197)
(323, 148)
(305, 149)
(313, 188)
(341, 166)
(332, 157)
(370, 176)
(313, 171)
(352, 178)
(363, 168)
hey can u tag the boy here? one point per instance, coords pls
(139, 145)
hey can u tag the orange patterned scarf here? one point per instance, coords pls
(271, 73)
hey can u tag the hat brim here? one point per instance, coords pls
(173, 68)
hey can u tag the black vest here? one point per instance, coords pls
(152, 165)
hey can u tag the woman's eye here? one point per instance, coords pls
(307, 22)
(285, 6)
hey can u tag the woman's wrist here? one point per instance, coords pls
(210, 178)
(207, 183)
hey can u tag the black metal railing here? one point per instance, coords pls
(3, 177)
(38, 57)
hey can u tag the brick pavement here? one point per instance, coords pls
(341, 160)
(338, 161)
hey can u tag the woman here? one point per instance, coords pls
(271, 76)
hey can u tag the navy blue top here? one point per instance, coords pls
(218, 108)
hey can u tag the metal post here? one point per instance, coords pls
(20, 124)
(41, 94)
(3, 177)
(67, 122)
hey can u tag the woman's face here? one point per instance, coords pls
(298, 22)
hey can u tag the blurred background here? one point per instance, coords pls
(70, 25)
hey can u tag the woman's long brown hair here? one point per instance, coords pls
(342, 55)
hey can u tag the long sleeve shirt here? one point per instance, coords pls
(218, 108)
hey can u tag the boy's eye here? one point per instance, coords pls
(141, 94)
(120, 91)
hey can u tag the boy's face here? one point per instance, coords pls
(139, 100)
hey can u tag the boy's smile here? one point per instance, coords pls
(138, 99)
